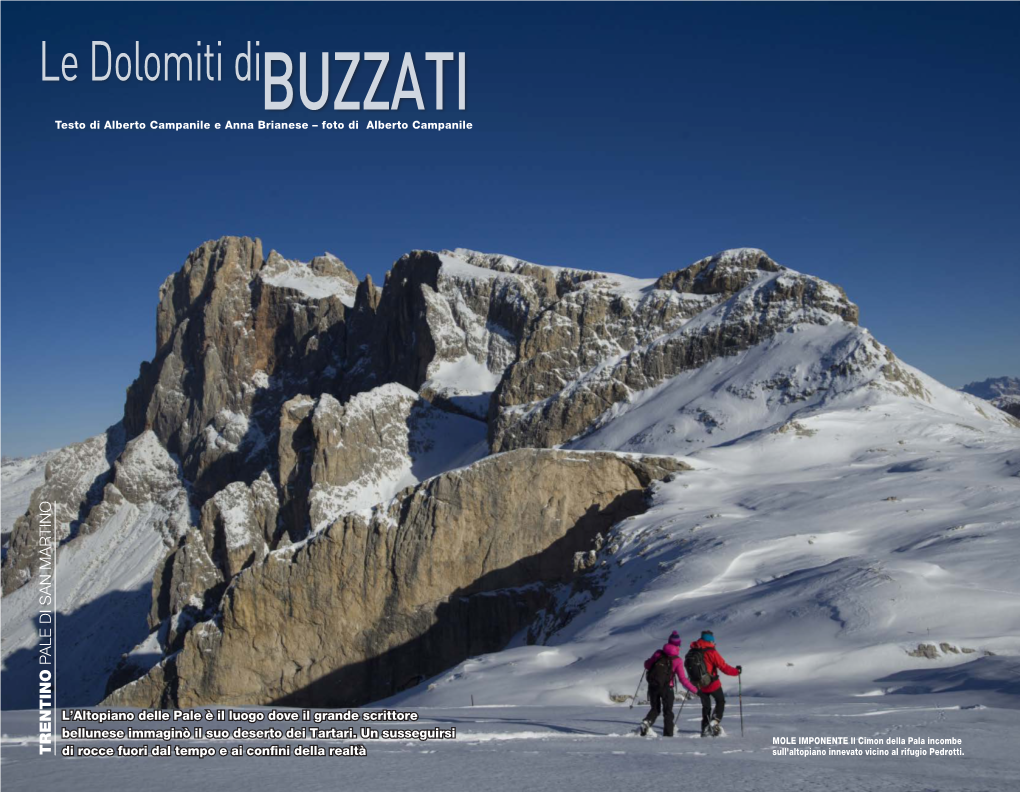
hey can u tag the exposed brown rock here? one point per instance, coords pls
(928, 651)
(723, 273)
(238, 523)
(224, 334)
(187, 580)
(368, 606)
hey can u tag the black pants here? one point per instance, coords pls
(706, 706)
(662, 701)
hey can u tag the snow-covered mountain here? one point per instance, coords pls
(325, 493)
(993, 387)
(1003, 392)
(864, 549)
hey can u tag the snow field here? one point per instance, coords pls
(543, 748)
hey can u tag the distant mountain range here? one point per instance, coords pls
(1003, 392)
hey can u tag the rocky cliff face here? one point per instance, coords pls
(311, 451)
(1008, 404)
(373, 603)
(596, 348)
(232, 332)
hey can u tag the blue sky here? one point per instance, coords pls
(873, 145)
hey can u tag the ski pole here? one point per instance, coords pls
(740, 698)
(633, 701)
(682, 702)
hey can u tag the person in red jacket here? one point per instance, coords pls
(661, 677)
(710, 688)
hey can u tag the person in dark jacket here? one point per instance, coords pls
(712, 692)
(661, 696)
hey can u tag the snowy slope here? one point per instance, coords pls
(102, 588)
(821, 549)
(549, 748)
(626, 286)
(19, 478)
(103, 582)
(311, 280)
(803, 371)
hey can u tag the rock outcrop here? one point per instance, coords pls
(370, 605)
(232, 331)
(1008, 404)
(595, 349)
(448, 327)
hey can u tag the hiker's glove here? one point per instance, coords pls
(740, 669)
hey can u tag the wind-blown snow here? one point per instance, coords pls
(301, 277)
(459, 263)
(456, 267)
(794, 373)
(465, 374)
(234, 503)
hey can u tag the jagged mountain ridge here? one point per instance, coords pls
(1003, 392)
(993, 387)
(287, 397)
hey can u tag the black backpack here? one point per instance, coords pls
(697, 668)
(661, 672)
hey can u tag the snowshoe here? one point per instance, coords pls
(644, 728)
(715, 728)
